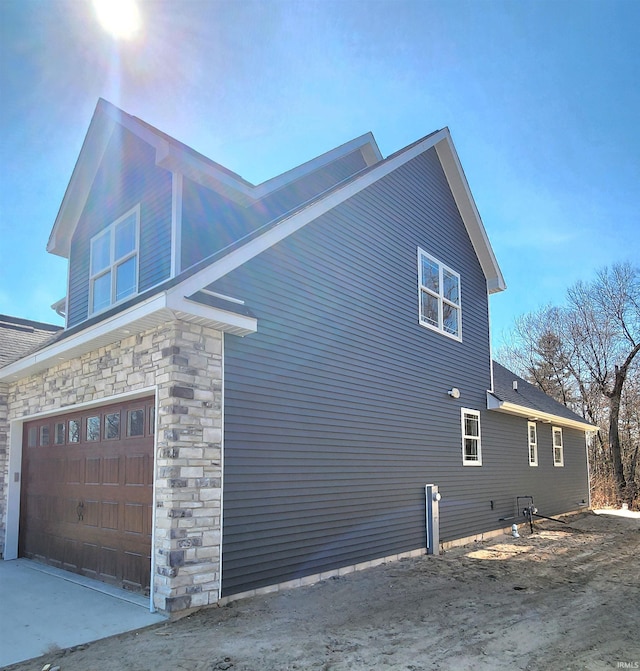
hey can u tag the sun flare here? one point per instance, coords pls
(120, 18)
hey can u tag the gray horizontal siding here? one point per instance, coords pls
(127, 176)
(309, 186)
(336, 410)
(211, 222)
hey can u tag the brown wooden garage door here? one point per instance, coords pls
(87, 491)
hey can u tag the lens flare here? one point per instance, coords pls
(120, 18)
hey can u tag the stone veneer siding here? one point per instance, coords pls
(183, 362)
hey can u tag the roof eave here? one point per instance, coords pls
(311, 211)
(497, 405)
(171, 156)
(155, 311)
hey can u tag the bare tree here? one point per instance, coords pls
(604, 326)
(585, 355)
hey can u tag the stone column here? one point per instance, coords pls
(189, 468)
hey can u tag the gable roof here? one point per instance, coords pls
(173, 155)
(176, 156)
(224, 261)
(525, 399)
(178, 296)
(18, 337)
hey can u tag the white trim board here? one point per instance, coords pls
(171, 155)
(533, 415)
(322, 205)
(144, 316)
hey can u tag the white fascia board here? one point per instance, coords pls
(83, 176)
(296, 221)
(363, 142)
(469, 213)
(494, 403)
(103, 123)
(233, 322)
(150, 313)
(177, 160)
(245, 194)
(117, 327)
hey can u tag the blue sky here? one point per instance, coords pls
(542, 100)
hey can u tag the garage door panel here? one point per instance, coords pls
(92, 513)
(71, 554)
(111, 466)
(73, 470)
(109, 517)
(93, 467)
(136, 569)
(108, 562)
(136, 470)
(86, 502)
(134, 518)
(90, 563)
(55, 549)
(69, 511)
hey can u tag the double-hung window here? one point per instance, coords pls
(439, 296)
(471, 447)
(558, 449)
(114, 262)
(533, 444)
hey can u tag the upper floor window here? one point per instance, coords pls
(439, 296)
(533, 444)
(471, 447)
(558, 449)
(114, 262)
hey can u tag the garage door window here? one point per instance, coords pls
(59, 433)
(112, 426)
(74, 430)
(93, 428)
(135, 422)
(44, 435)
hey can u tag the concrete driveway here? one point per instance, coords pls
(44, 609)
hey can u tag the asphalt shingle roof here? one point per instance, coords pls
(527, 395)
(18, 337)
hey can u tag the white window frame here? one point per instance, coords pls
(114, 263)
(557, 461)
(442, 301)
(533, 444)
(466, 461)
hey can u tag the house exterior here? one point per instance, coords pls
(255, 383)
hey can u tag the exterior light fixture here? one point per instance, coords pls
(454, 393)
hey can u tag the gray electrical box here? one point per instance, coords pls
(432, 496)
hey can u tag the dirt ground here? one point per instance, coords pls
(565, 598)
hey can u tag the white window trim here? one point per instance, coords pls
(441, 299)
(134, 253)
(557, 462)
(465, 461)
(534, 444)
